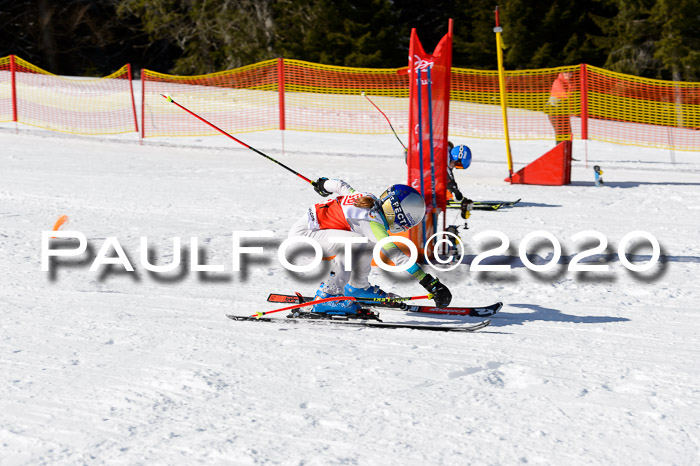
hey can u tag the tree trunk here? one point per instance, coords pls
(47, 41)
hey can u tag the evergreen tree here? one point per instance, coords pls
(75, 37)
(474, 42)
(630, 36)
(212, 35)
(540, 35)
(358, 33)
(430, 19)
(678, 47)
(654, 38)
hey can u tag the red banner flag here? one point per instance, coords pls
(429, 95)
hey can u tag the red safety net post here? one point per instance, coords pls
(143, 104)
(8, 109)
(280, 91)
(13, 77)
(133, 103)
(584, 109)
(584, 101)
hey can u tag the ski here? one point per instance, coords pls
(364, 323)
(483, 205)
(481, 311)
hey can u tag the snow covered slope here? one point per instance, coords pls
(118, 367)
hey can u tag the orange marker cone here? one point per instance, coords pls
(59, 223)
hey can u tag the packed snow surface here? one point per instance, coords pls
(110, 366)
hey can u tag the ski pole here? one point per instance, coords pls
(394, 300)
(387, 120)
(170, 99)
(339, 298)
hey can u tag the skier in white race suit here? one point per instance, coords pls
(350, 213)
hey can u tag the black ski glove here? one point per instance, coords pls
(441, 295)
(318, 186)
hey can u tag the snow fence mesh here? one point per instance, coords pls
(89, 106)
(6, 113)
(626, 109)
(292, 94)
(475, 106)
(237, 101)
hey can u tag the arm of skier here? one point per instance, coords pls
(326, 187)
(452, 185)
(441, 294)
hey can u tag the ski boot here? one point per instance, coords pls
(336, 308)
(369, 292)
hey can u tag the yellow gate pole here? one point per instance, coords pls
(502, 89)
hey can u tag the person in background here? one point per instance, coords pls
(457, 157)
(558, 107)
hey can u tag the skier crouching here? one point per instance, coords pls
(357, 214)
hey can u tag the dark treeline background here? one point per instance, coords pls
(650, 38)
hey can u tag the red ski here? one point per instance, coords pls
(481, 311)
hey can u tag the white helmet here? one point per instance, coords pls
(403, 207)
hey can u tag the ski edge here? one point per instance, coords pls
(367, 324)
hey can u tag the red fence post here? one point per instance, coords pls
(133, 103)
(280, 90)
(13, 72)
(584, 101)
(143, 105)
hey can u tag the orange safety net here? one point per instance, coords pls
(329, 98)
(564, 103)
(75, 105)
(6, 113)
(237, 101)
(275, 94)
(625, 109)
(534, 111)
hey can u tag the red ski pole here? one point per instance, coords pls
(387, 120)
(341, 298)
(170, 99)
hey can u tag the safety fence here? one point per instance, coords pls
(35, 97)
(275, 94)
(581, 102)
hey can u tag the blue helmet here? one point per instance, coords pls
(462, 155)
(403, 207)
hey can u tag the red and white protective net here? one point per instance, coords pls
(74, 105)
